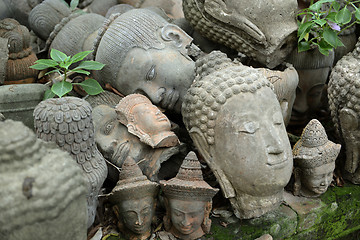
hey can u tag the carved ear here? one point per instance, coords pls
(176, 35)
(348, 119)
(200, 142)
(218, 10)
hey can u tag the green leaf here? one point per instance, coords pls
(304, 29)
(61, 88)
(90, 65)
(339, 43)
(48, 62)
(57, 55)
(331, 16)
(330, 37)
(55, 70)
(80, 56)
(80, 71)
(74, 4)
(316, 6)
(91, 86)
(323, 51)
(65, 65)
(303, 46)
(320, 22)
(336, 6)
(48, 94)
(343, 16)
(357, 14)
(39, 66)
(324, 45)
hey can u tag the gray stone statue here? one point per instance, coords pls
(188, 201)
(42, 189)
(314, 160)
(344, 103)
(145, 54)
(146, 121)
(235, 121)
(67, 121)
(133, 200)
(262, 30)
(116, 143)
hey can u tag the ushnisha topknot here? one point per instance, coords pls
(314, 149)
(189, 182)
(123, 108)
(132, 184)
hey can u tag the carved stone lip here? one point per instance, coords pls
(170, 99)
(281, 163)
(118, 150)
(187, 229)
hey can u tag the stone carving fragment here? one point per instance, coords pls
(314, 160)
(67, 121)
(133, 199)
(42, 189)
(235, 121)
(188, 201)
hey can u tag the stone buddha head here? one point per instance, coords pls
(235, 121)
(145, 120)
(133, 199)
(116, 143)
(188, 201)
(145, 54)
(314, 160)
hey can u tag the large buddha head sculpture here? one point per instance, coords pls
(145, 54)
(188, 201)
(262, 30)
(314, 160)
(134, 201)
(235, 121)
(145, 120)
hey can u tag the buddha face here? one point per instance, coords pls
(112, 138)
(308, 94)
(186, 216)
(137, 214)
(150, 119)
(318, 179)
(162, 75)
(251, 144)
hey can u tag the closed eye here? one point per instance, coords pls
(151, 74)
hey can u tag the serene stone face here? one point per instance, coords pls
(137, 214)
(308, 94)
(318, 179)
(186, 216)
(162, 75)
(150, 119)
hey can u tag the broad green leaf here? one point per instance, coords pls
(61, 88)
(316, 6)
(303, 46)
(90, 65)
(339, 43)
(91, 86)
(48, 94)
(80, 56)
(324, 45)
(65, 65)
(331, 16)
(74, 4)
(57, 55)
(336, 6)
(39, 66)
(304, 29)
(55, 70)
(320, 22)
(357, 14)
(330, 37)
(48, 62)
(80, 71)
(323, 51)
(343, 16)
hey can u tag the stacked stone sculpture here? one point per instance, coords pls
(43, 191)
(67, 121)
(314, 160)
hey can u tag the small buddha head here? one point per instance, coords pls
(145, 54)
(146, 121)
(314, 160)
(188, 201)
(133, 199)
